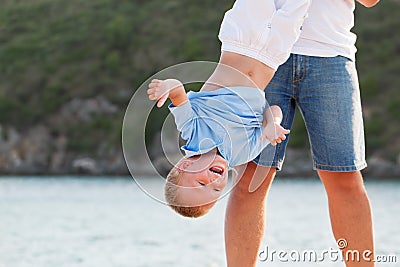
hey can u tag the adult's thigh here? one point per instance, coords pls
(329, 100)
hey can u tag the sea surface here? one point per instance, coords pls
(112, 222)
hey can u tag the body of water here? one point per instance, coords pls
(111, 222)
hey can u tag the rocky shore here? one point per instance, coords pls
(37, 152)
(44, 148)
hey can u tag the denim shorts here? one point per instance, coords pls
(326, 91)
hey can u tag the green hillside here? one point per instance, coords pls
(53, 51)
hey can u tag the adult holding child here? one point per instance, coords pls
(320, 77)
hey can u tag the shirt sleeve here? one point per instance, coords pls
(285, 29)
(183, 115)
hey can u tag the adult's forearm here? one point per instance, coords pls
(285, 30)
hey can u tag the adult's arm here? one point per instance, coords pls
(368, 3)
(285, 29)
(262, 30)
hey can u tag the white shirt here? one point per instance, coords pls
(326, 32)
(263, 29)
(269, 30)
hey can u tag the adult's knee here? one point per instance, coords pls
(342, 182)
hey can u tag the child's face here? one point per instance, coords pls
(202, 179)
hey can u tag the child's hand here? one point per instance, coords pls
(159, 90)
(275, 133)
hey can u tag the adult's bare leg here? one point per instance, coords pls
(245, 217)
(350, 214)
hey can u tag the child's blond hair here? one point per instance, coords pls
(171, 192)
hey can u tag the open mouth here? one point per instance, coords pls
(218, 170)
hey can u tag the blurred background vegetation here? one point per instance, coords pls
(55, 52)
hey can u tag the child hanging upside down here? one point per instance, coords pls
(228, 123)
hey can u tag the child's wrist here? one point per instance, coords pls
(277, 121)
(177, 92)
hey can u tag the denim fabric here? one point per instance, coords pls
(326, 91)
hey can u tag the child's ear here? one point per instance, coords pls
(183, 165)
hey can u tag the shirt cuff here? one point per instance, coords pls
(182, 114)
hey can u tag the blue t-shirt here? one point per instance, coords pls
(229, 119)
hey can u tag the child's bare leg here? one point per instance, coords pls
(273, 130)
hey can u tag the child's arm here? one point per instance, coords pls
(273, 130)
(368, 3)
(161, 90)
